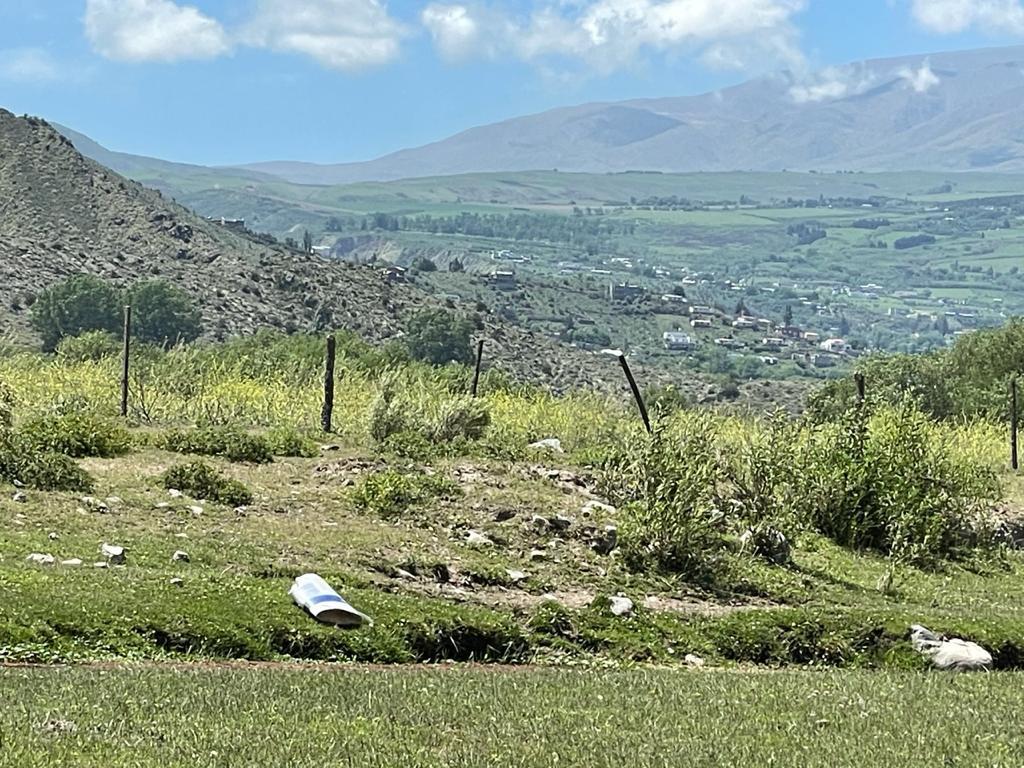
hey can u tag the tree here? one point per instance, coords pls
(163, 313)
(424, 264)
(787, 316)
(455, 266)
(437, 336)
(79, 304)
(307, 242)
(741, 309)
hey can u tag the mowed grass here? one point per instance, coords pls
(471, 717)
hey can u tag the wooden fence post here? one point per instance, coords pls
(1014, 462)
(859, 379)
(126, 359)
(636, 393)
(479, 360)
(327, 415)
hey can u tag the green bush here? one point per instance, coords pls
(44, 471)
(665, 486)
(389, 493)
(75, 433)
(440, 421)
(163, 314)
(91, 346)
(6, 406)
(227, 442)
(291, 442)
(437, 336)
(79, 304)
(201, 481)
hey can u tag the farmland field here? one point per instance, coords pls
(301, 717)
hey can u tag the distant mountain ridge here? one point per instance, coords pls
(949, 111)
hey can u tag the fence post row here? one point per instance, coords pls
(636, 393)
(479, 361)
(126, 359)
(327, 415)
(1014, 463)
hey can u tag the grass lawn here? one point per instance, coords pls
(157, 716)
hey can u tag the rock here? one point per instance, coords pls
(516, 576)
(330, 448)
(19, 497)
(74, 562)
(40, 559)
(177, 582)
(539, 523)
(538, 554)
(769, 543)
(593, 507)
(441, 573)
(103, 564)
(53, 536)
(174, 493)
(693, 660)
(115, 555)
(113, 500)
(477, 539)
(162, 505)
(503, 515)
(90, 502)
(605, 543)
(404, 574)
(196, 510)
(180, 556)
(552, 444)
(620, 606)
(560, 522)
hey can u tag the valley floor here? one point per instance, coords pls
(530, 718)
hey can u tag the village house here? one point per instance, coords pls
(676, 340)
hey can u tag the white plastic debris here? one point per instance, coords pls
(949, 653)
(316, 596)
(74, 562)
(40, 559)
(552, 444)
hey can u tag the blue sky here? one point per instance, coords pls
(231, 81)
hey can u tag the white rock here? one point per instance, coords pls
(196, 510)
(538, 554)
(404, 574)
(74, 562)
(40, 559)
(516, 576)
(177, 582)
(112, 500)
(19, 497)
(693, 660)
(180, 556)
(592, 507)
(53, 536)
(91, 502)
(104, 564)
(162, 505)
(477, 539)
(621, 606)
(174, 493)
(552, 444)
(115, 555)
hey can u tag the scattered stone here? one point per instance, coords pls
(53, 536)
(605, 543)
(59, 726)
(538, 554)
(441, 573)
(19, 497)
(592, 507)
(769, 543)
(40, 559)
(693, 660)
(113, 500)
(115, 555)
(90, 502)
(539, 523)
(516, 576)
(503, 515)
(177, 582)
(162, 505)
(330, 448)
(103, 564)
(560, 522)
(620, 606)
(174, 493)
(74, 562)
(196, 510)
(552, 444)
(180, 556)
(477, 539)
(404, 574)
(181, 535)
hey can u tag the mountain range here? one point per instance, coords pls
(949, 111)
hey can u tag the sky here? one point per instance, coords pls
(235, 81)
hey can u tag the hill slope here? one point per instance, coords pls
(949, 111)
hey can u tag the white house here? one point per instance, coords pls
(677, 340)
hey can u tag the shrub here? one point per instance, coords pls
(80, 303)
(389, 493)
(437, 336)
(291, 442)
(75, 433)
(91, 346)
(437, 420)
(163, 314)
(665, 486)
(20, 462)
(458, 418)
(227, 442)
(201, 481)
(6, 406)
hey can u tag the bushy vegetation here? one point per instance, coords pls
(391, 493)
(227, 442)
(75, 432)
(21, 462)
(163, 314)
(437, 336)
(79, 304)
(202, 481)
(417, 419)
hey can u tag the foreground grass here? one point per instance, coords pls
(471, 717)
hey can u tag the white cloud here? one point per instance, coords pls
(339, 34)
(152, 30)
(921, 80)
(953, 16)
(28, 65)
(832, 83)
(612, 33)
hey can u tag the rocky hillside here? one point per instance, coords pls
(62, 214)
